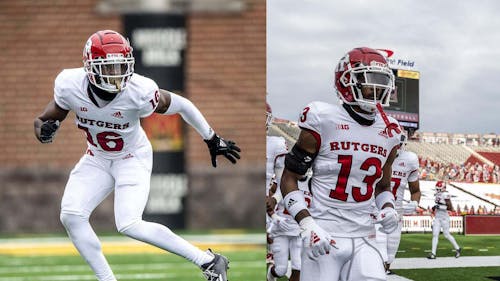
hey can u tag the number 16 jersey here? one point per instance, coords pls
(113, 130)
(347, 167)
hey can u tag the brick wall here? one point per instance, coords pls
(226, 76)
(225, 79)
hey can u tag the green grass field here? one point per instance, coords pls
(246, 264)
(419, 245)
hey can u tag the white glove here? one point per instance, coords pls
(283, 224)
(410, 208)
(315, 237)
(389, 219)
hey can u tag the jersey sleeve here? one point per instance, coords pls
(283, 147)
(60, 94)
(310, 120)
(413, 165)
(149, 101)
(446, 196)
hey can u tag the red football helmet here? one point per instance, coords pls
(363, 78)
(440, 186)
(108, 60)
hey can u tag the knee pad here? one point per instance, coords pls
(127, 228)
(71, 219)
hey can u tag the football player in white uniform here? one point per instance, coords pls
(276, 149)
(109, 99)
(404, 174)
(285, 232)
(442, 219)
(350, 149)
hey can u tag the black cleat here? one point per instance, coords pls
(216, 270)
(431, 256)
(458, 252)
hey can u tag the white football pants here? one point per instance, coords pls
(282, 247)
(437, 225)
(90, 182)
(388, 244)
(355, 259)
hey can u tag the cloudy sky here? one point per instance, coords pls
(455, 45)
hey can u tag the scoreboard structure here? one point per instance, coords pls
(404, 102)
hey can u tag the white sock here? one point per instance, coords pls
(452, 241)
(434, 244)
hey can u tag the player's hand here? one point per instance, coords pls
(48, 130)
(284, 224)
(219, 146)
(315, 238)
(410, 208)
(389, 219)
(270, 205)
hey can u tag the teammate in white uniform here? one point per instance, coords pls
(109, 99)
(276, 149)
(442, 219)
(285, 232)
(404, 174)
(351, 149)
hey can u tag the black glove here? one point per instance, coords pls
(219, 146)
(48, 130)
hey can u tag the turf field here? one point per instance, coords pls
(44, 261)
(419, 245)
(42, 258)
(244, 265)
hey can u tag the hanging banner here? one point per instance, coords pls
(159, 42)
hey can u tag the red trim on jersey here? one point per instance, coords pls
(315, 135)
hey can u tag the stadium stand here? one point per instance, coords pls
(469, 164)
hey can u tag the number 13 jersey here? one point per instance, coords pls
(113, 130)
(347, 167)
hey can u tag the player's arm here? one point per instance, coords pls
(384, 199)
(296, 164)
(170, 103)
(449, 206)
(275, 194)
(384, 185)
(297, 161)
(47, 123)
(415, 190)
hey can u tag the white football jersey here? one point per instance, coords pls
(440, 199)
(114, 130)
(347, 168)
(404, 170)
(276, 149)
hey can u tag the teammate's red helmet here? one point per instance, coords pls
(108, 60)
(363, 78)
(440, 186)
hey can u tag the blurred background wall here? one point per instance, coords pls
(224, 77)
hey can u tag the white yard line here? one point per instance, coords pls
(414, 263)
